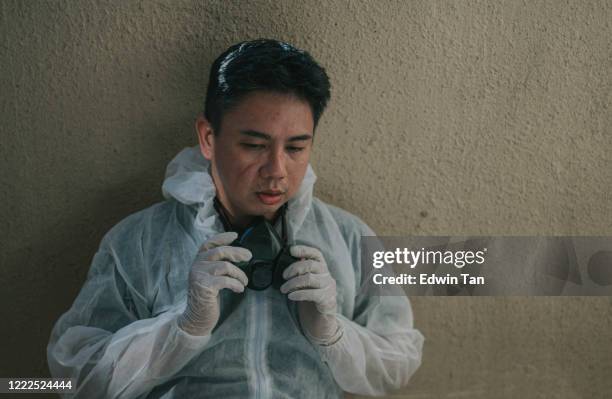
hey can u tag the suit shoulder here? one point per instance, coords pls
(146, 221)
(348, 223)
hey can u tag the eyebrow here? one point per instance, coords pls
(265, 136)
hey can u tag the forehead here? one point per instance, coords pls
(276, 114)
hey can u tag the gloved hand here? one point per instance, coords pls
(211, 272)
(310, 283)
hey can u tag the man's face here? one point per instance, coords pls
(261, 154)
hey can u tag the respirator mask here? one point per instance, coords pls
(270, 251)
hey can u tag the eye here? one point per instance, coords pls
(251, 146)
(294, 149)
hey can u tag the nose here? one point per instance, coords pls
(274, 166)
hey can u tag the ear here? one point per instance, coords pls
(206, 136)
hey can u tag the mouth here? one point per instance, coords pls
(270, 197)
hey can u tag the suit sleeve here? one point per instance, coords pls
(108, 343)
(379, 349)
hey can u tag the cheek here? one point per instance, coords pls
(239, 173)
(297, 173)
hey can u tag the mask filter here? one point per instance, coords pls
(270, 255)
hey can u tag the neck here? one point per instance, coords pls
(230, 220)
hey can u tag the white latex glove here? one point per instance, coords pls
(310, 284)
(211, 272)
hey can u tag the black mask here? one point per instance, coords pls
(270, 252)
(270, 255)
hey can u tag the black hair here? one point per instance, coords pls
(264, 65)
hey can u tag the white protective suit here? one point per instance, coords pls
(120, 338)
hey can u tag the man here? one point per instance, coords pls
(167, 311)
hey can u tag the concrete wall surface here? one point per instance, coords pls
(447, 117)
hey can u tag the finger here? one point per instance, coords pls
(308, 280)
(232, 254)
(218, 240)
(228, 269)
(303, 267)
(302, 251)
(221, 282)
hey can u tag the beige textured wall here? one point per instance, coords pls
(447, 117)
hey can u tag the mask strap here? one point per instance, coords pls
(222, 214)
(284, 222)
